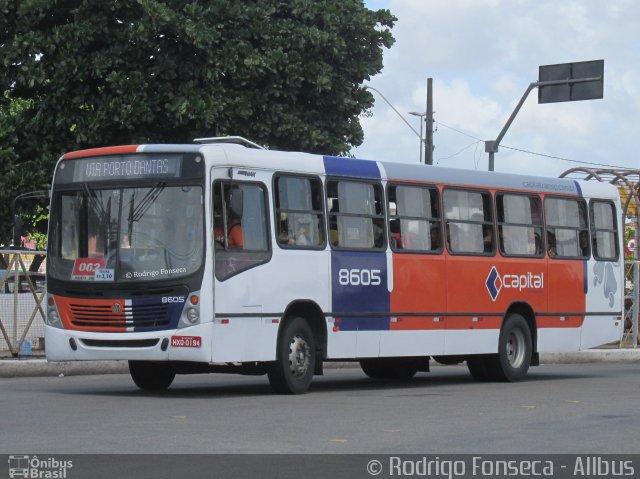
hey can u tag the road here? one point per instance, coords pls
(571, 408)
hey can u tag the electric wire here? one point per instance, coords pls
(569, 160)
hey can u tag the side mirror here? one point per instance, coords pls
(236, 203)
(17, 232)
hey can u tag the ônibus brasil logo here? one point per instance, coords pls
(495, 282)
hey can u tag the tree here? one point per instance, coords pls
(88, 73)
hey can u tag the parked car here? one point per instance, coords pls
(38, 280)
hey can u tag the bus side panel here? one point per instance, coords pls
(418, 300)
(360, 298)
(560, 329)
(481, 290)
(605, 295)
(256, 300)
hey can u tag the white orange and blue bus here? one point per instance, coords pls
(384, 263)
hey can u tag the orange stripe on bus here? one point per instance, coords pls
(111, 150)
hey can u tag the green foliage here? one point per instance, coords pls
(88, 73)
(38, 223)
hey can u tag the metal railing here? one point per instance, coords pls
(631, 304)
(22, 292)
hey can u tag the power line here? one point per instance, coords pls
(565, 159)
(455, 154)
(458, 131)
(581, 162)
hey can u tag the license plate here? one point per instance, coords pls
(186, 341)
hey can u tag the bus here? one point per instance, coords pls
(221, 257)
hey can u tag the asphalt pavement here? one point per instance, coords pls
(34, 367)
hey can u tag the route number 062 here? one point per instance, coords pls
(359, 277)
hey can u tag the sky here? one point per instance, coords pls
(482, 56)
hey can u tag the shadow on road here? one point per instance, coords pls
(437, 383)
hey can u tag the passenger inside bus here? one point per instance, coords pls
(584, 243)
(487, 238)
(395, 238)
(235, 238)
(551, 244)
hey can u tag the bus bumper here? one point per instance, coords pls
(186, 344)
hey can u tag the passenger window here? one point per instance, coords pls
(299, 215)
(414, 219)
(356, 215)
(468, 222)
(240, 227)
(567, 228)
(519, 225)
(604, 229)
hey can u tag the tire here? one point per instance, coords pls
(479, 367)
(514, 350)
(292, 371)
(390, 368)
(151, 376)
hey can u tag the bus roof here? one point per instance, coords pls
(233, 154)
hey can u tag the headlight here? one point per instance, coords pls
(53, 317)
(193, 315)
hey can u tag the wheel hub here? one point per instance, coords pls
(299, 356)
(516, 348)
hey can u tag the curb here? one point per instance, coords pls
(592, 356)
(11, 368)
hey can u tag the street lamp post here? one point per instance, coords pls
(557, 83)
(421, 115)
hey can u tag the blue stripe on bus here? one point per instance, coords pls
(348, 167)
(578, 188)
(359, 283)
(151, 314)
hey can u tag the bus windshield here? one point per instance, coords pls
(126, 234)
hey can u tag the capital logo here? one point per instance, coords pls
(527, 281)
(493, 283)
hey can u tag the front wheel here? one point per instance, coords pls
(292, 371)
(151, 376)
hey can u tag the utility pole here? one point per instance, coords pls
(428, 142)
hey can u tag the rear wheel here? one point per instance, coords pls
(390, 368)
(292, 371)
(478, 367)
(514, 349)
(151, 376)
(514, 354)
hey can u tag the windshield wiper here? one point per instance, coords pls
(135, 214)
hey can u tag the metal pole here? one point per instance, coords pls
(421, 116)
(491, 147)
(635, 311)
(16, 288)
(428, 144)
(420, 141)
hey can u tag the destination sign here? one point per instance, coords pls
(127, 167)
